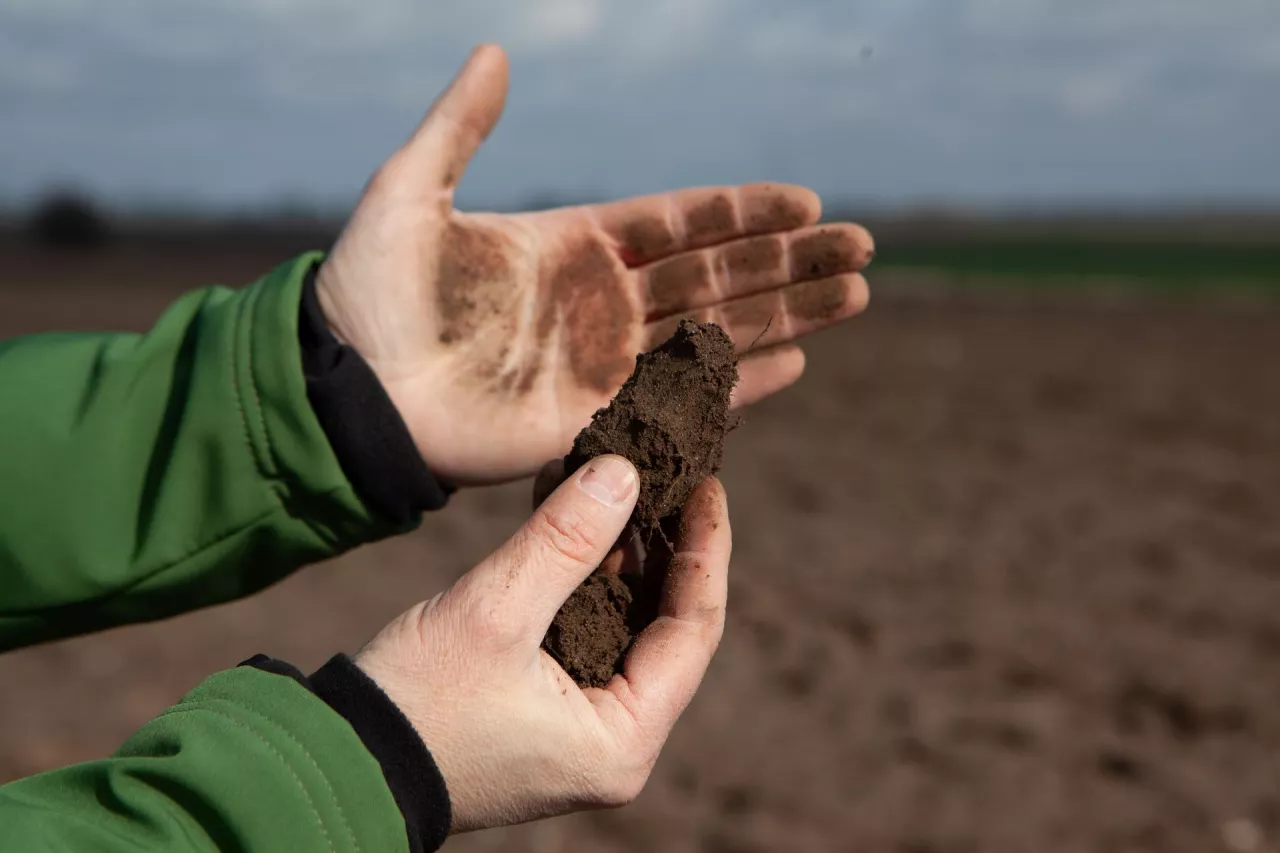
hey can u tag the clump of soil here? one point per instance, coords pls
(590, 633)
(669, 420)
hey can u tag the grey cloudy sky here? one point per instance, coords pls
(237, 102)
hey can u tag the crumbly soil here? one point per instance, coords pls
(590, 635)
(670, 419)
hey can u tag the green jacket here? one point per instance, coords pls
(145, 475)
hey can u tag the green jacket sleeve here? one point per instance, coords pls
(145, 475)
(248, 761)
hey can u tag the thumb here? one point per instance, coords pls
(462, 117)
(563, 542)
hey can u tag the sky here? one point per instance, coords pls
(884, 103)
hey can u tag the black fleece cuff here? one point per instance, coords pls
(365, 430)
(411, 773)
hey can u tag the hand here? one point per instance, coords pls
(514, 737)
(497, 337)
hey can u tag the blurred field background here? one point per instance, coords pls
(1007, 563)
(1005, 574)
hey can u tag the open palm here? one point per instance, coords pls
(498, 336)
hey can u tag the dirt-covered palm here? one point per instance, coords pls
(498, 336)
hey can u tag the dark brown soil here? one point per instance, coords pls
(590, 634)
(670, 419)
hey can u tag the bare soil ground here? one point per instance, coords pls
(1006, 578)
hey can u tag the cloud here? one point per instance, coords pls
(981, 100)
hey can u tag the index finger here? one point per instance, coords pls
(649, 228)
(667, 661)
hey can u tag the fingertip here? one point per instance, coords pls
(464, 115)
(490, 52)
(482, 85)
(612, 480)
(811, 201)
(710, 489)
(767, 372)
(792, 362)
(866, 240)
(615, 457)
(492, 63)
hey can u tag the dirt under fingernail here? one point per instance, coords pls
(670, 420)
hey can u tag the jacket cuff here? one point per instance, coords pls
(411, 773)
(365, 429)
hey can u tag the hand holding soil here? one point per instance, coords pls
(514, 737)
(498, 336)
(670, 420)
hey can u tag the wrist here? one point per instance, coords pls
(329, 311)
(372, 441)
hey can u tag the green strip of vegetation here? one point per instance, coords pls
(1163, 264)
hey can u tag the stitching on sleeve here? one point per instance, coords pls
(270, 468)
(342, 816)
(258, 462)
(288, 734)
(272, 462)
(302, 787)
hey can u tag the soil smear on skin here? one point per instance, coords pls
(670, 420)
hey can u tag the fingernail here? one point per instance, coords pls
(609, 480)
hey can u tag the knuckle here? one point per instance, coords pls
(483, 619)
(569, 535)
(710, 620)
(614, 768)
(423, 615)
(488, 626)
(623, 788)
(624, 771)
(715, 635)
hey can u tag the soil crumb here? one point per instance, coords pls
(590, 634)
(670, 419)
